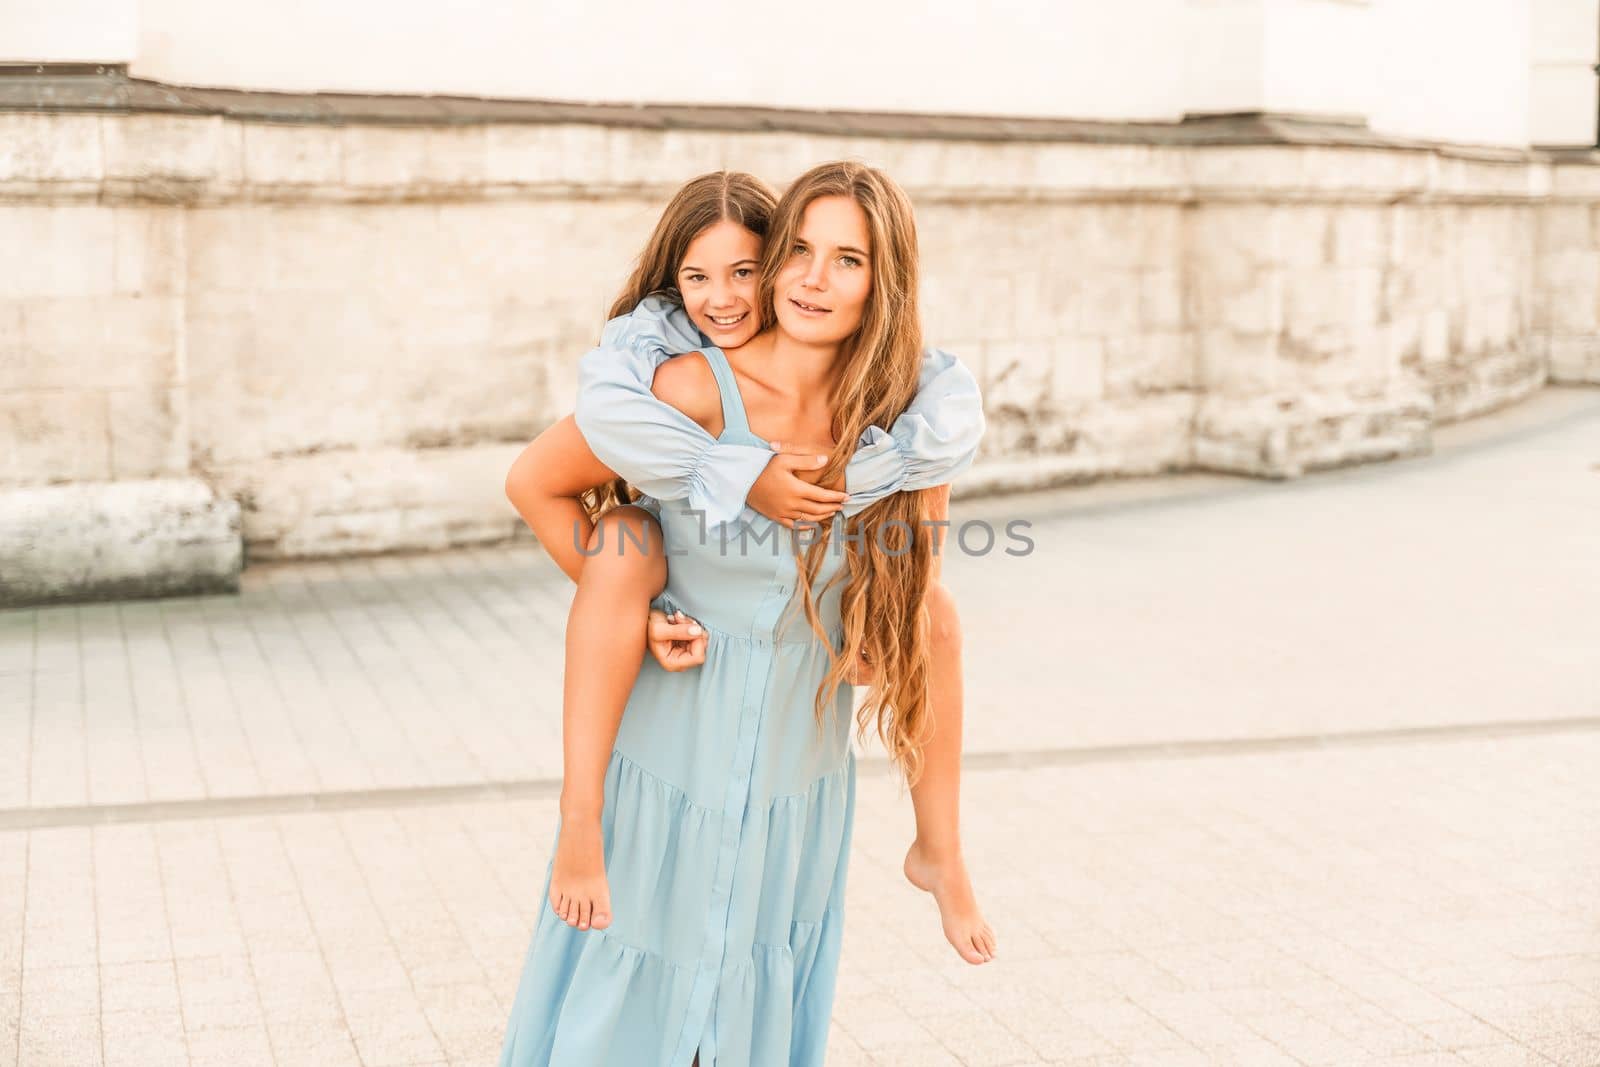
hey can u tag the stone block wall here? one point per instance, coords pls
(348, 330)
(1566, 321)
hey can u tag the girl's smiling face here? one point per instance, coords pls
(718, 280)
(820, 293)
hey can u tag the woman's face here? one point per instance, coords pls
(821, 291)
(718, 281)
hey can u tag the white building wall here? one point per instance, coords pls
(1224, 57)
(69, 31)
(1321, 57)
(1018, 57)
(1562, 92)
(1499, 72)
(1453, 71)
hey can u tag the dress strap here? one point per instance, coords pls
(733, 415)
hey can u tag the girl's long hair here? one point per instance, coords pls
(723, 195)
(888, 551)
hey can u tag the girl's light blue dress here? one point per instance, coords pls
(727, 815)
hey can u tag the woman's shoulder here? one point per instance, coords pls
(687, 383)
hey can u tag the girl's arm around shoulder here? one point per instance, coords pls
(655, 436)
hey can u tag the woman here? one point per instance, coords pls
(727, 807)
(695, 284)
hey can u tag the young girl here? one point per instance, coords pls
(703, 255)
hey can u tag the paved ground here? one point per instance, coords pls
(1261, 774)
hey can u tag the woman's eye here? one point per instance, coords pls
(799, 250)
(743, 272)
(850, 261)
(696, 278)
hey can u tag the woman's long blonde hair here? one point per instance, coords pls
(888, 551)
(723, 195)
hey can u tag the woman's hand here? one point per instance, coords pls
(676, 641)
(783, 496)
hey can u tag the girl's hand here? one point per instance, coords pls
(783, 496)
(676, 641)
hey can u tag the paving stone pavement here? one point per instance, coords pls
(1295, 774)
(1458, 588)
(1421, 903)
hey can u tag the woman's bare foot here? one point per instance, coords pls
(946, 878)
(579, 892)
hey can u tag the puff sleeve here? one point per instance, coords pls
(932, 441)
(652, 444)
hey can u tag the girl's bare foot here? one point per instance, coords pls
(579, 892)
(946, 878)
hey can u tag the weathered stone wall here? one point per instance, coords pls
(1566, 321)
(352, 329)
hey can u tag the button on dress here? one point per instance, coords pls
(727, 811)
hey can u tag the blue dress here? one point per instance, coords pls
(727, 810)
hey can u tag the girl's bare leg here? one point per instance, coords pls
(935, 862)
(605, 648)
